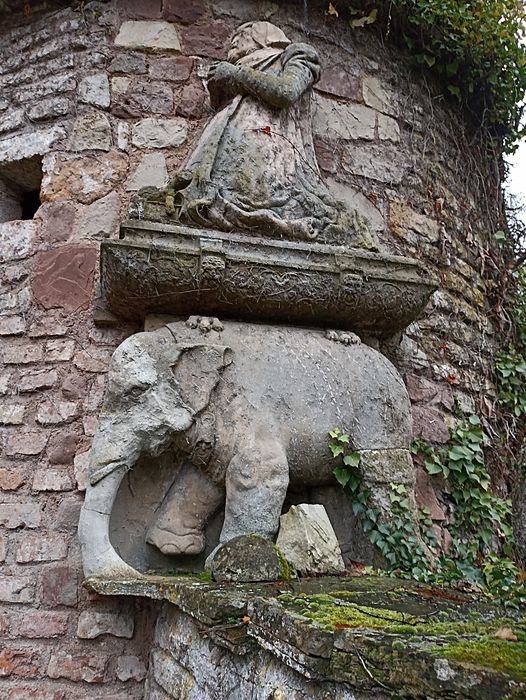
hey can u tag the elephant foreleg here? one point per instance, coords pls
(191, 501)
(99, 558)
(256, 484)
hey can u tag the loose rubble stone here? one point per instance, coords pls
(307, 540)
(63, 277)
(150, 36)
(95, 90)
(159, 133)
(151, 172)
(248, 558)
(93, 624)
(91, 132)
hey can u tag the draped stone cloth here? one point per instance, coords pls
(254, 168)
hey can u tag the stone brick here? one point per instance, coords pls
(190, 102)
(78, 667)
(388, 129)
(12, 325)
(159, 133)
(81, 464)
(334, 120)
(52, 480)
(177, 69)
(91, 132)
(327, 154)
(93, 624)
(35, 624)
(207, 40)
(12, 414)
(62, 446)
(14, 515)
(57, 412)
(123, 136)
(11, 479)
(37, 381)
(128, 62)
(26, 443)
(100, 219)
(151, 171)
(30, 144)
(426, 497)
(376, 97)
(421, 389)
(359, 203)
(140, 9)
(130, 668)
(338, 81)
(16, 238)
(41, 548)
(59, 585)
(403, 218)
(19, 662)
(150, 36)
(63, 277)
(144, 98)
(85, 178)
(67, 516)
(93, 360)
(375, 162)
(429, 425)
(49, 108)
(25, 693)
(15, 302)
(59, 350)
(17, 589)
(95, 90)
(14, 119)
(3, 554)
(58, 221)
(5, 381)
(96, 394)
(89, 424)
(22, 354)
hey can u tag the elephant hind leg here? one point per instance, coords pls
(256, 484)
(191, 501)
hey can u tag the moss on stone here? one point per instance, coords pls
(286, 572)
(496, 654)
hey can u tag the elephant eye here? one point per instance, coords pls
(136, 393)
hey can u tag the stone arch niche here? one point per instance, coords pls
(361, 249)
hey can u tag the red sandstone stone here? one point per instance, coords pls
(52, 480)
(78, 667)
(429, 425)
(19, 662)
(62, 446)
(15, 515)
(37, 380)
(17, 589)
(64, 277)
(426, 497)
(93, 359)
(41, 548)
(208, 40)
(59, 350)
(93, 624)
(58, 222)
(11, 479)
(183, 12)
(191, 101)
(140, 9)
(74, 386)
(26, 443)
(336, 80)
(40, 623)
(176, 69)
(58, 584)
(67, 515)
(25, 693)
(327, 155)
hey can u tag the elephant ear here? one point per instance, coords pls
(197, 370)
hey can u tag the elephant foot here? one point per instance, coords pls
(345, 337)
(172, 543)
(205, 323)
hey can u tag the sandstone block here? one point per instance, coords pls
(159, 133)
(100, 219)
(58, 219)
(376, 97)
(19, 662)
(91, 132)
(327, 154)
(151, 171)
(130, 668)
(41, 548)
(128, 62)
(37, 381)
(89, 423)
(59, 350)
(177, 69)
(402, 219)
(12, 415)
(386, 466)
(93, 624)
(58, 583)
(429, 424)
(12, 120)
(25, 693)
(426, 497)
(95, 90)
(17, 589)
(63, 277)
(344, 121)
(67, 515)
(89, 668)
(62, 446)
(12, 325)
(338, 81)
(358, 202)
(5, 380)
(14, 515)
(30, 144)
(41, 623)
(191, 101)
(26, 443)
(49, 108)
(140, 99)
(52, 480)
(81, 465)
(373, 162)
(247, 558)
(150, 36)
(93, 359)
(22, 354)
(388, 129)
(185, 13)
(16, 238)
(57, 412)
(207, 40)
(11, 479)
(123, 136)
(307, 540)
(15, 302)
(3, 554)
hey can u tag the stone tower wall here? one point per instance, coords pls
(106, 99)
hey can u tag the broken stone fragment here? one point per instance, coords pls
(249, 558)
(307, 540)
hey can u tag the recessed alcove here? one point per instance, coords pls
(20, 183)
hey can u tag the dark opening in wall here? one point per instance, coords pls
(20, 189)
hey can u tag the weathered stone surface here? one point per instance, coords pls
(426, 497)
(308, 542)
(89, 668)
(57, 412)
(375, 96)
(130, 668)
(81, 465)
(429, 424)
(388, 129)
(176, 69)
(95, 90)
(49, 108)
(41, 623)
(159, 133)
(151, 172)
(357, 201)
(190, 101)
(403, 218)
(14, 119)
(41, 548)
(248, 558)
(333, 119)
(15, 515)
(11, 479)
(58, 221)
(12, 325)
(85, 178)
(16, 238)
(12, 414)
(26, 443)
(338, 81)
(51, 480)
(371, 162)
(185, 13)
(92, 624)
(59, 350)
(101, 218)
(17, 589)
(91, 132)
(149, 36)
(128, 62)
(58, 583)
(387, 466)
(63, 277)
(31, 144)
(206, 40)
(135, 101)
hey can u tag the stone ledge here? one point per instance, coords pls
(365, 633)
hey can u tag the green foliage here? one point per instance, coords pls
(474, 47)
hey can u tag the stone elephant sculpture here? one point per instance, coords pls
(247, 409)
